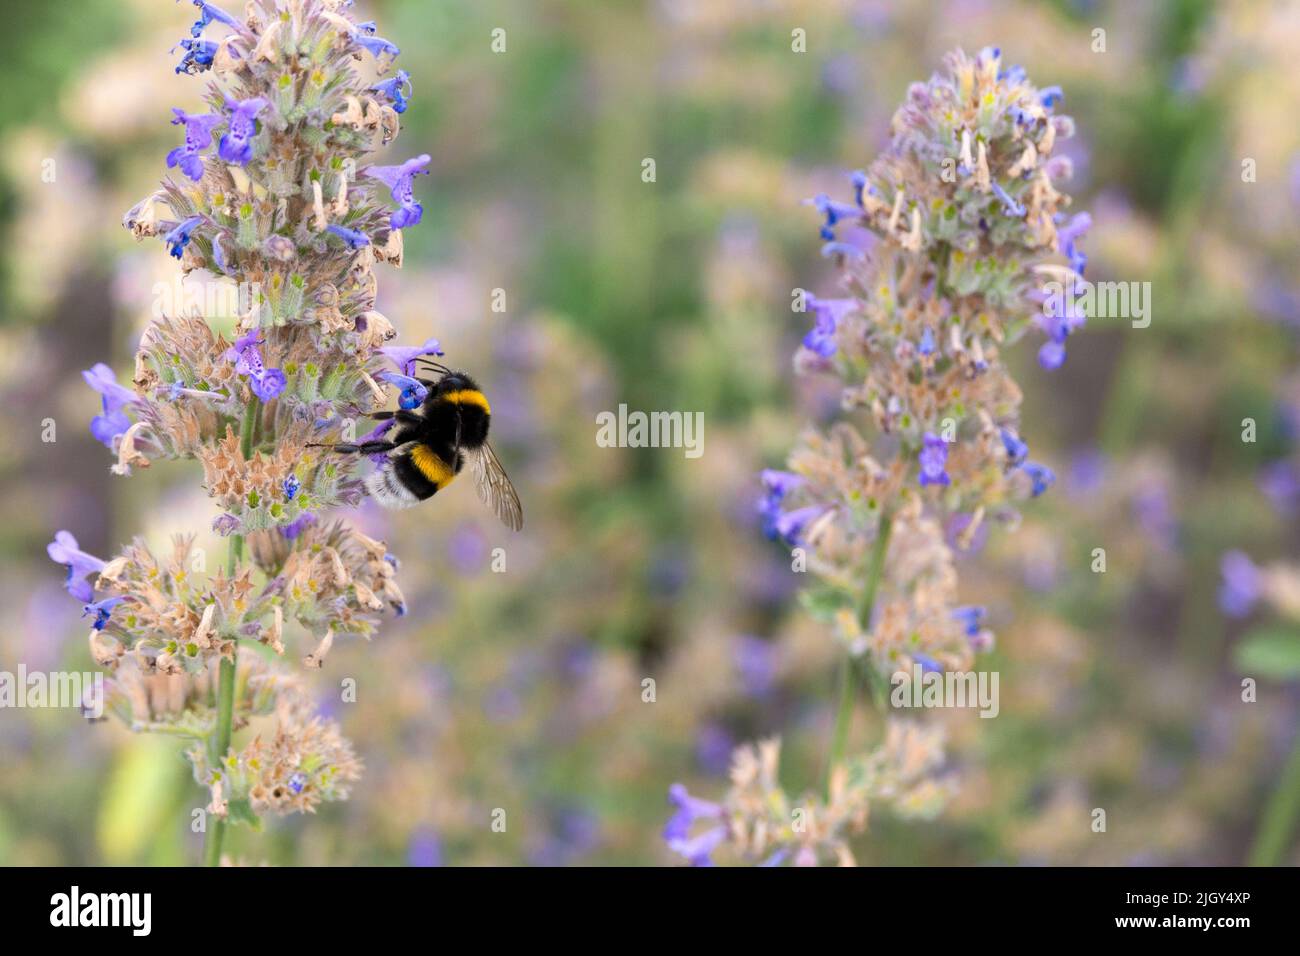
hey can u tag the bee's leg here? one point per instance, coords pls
(401, 415)
(365, 448)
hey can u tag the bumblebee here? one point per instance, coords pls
(428, 446)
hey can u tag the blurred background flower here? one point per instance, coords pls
(519, 687)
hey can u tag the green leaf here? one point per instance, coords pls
(241, 811)
(1270, 652)
(823, 603)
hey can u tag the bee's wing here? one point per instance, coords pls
(494, 487)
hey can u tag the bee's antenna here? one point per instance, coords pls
(436, 366)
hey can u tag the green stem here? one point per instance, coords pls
(1279, 817)
(225, 719)
(250, 424)
(874, 570)
(167, 730)
(848, 678)
(216, 833)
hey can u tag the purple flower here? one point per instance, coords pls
(298, 525)
(412, 393)
(677, 831)
(1050, 95)
(236, 145)
(845, 249)
(209, 14)
(297, 782)
(244, 353)
(1059, 317)
(198, 55)
(769, 512)
(1041, 477)
(927, 342)
(1009, 205)
(1281, 485)
(934, 459)
(404, 356)
(859, 180)
(225, 524)
(266, 383)
(101, 610)
(377, 47)
(1241, 584)
(778, 484)
(64, 550)
(291, 486)
(397, 88)
(970, 616)
(425, 849)
(269, 384)
(755, 661)
(353, 238)
(104, 381)
(781, 483)
(713, 747)
(1087, 471)
(698, 849)
(834, 212)
(790, 525)
(219, 254)
(821, 337)
(828, 313)
(368, 27)
(198, 137)
(1067, 237)
(1017, 450)
(928, 664)
(179, 237)
(400, 180)
(1154, 513)
(571, 832)
(107, 426)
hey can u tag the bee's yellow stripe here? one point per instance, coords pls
(431, 466)
(469, 396)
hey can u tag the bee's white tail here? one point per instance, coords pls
(383, 485)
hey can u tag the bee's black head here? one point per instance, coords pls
(453, 381)
(450, 379)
